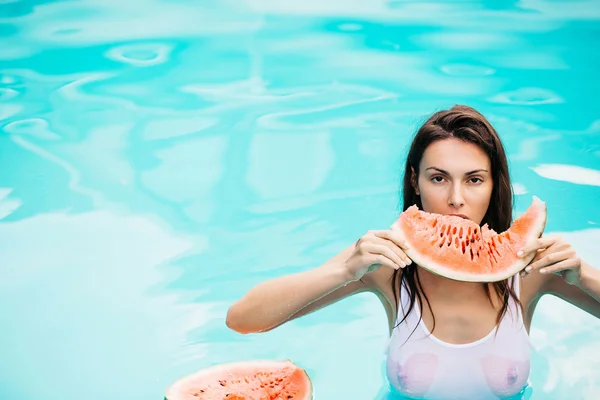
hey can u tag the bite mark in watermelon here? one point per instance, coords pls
(460, 249)
(244, 380)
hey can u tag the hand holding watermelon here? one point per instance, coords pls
(553, 255)
(375, 249)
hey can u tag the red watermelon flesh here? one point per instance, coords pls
(460, 249)
(244, 380)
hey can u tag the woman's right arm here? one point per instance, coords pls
(276, 301)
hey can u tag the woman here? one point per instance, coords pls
(448, 339)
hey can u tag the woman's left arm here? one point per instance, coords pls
(565, 274)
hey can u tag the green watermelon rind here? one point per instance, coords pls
(171, 391)
(535, 232)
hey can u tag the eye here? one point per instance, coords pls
(475, 180)
(437, 179)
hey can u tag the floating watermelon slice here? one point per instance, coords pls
(460, 249)
(244, 380)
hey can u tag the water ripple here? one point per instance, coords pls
(7, 79)
(527, 96)
(247, 89)
(467, 70)
(141, 54)
(532, 59)
(165, 128)
(74, 175)
(406, 72)
(465, 41)
(303, 201)
(8, 205)
(10, 110)
(277, 163)
(340, 114)
(174, 181)
(350, 27)
(75, 91)
(8, 94)
(36, 127)
(569, 173)
(529, 149)
(109, 21)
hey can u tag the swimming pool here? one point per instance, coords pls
(159, 158)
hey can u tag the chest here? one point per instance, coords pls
(466, 356)
(425, 368)
(457, 323)
(460, 322)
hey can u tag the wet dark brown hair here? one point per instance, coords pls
(463, 123)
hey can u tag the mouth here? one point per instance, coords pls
(460, 215)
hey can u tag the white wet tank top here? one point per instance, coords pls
(420, 366)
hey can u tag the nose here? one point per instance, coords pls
(455, 198)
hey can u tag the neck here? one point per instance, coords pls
(448, 289)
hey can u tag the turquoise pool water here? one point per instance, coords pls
(157, 159)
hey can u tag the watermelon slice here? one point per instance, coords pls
(244, 380)
(460, 249)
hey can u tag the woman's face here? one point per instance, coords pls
(455, 177)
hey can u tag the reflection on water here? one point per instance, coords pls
(159, 158)
(569, 173)
(7, 205)
(527, 96)
(83, 303)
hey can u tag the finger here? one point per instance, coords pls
(383, 260)
(392, 240)
(560, 266)
(384, 250)
(535, 245)
(394, 236)
(549, 259)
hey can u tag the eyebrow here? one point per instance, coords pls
(446, 172)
